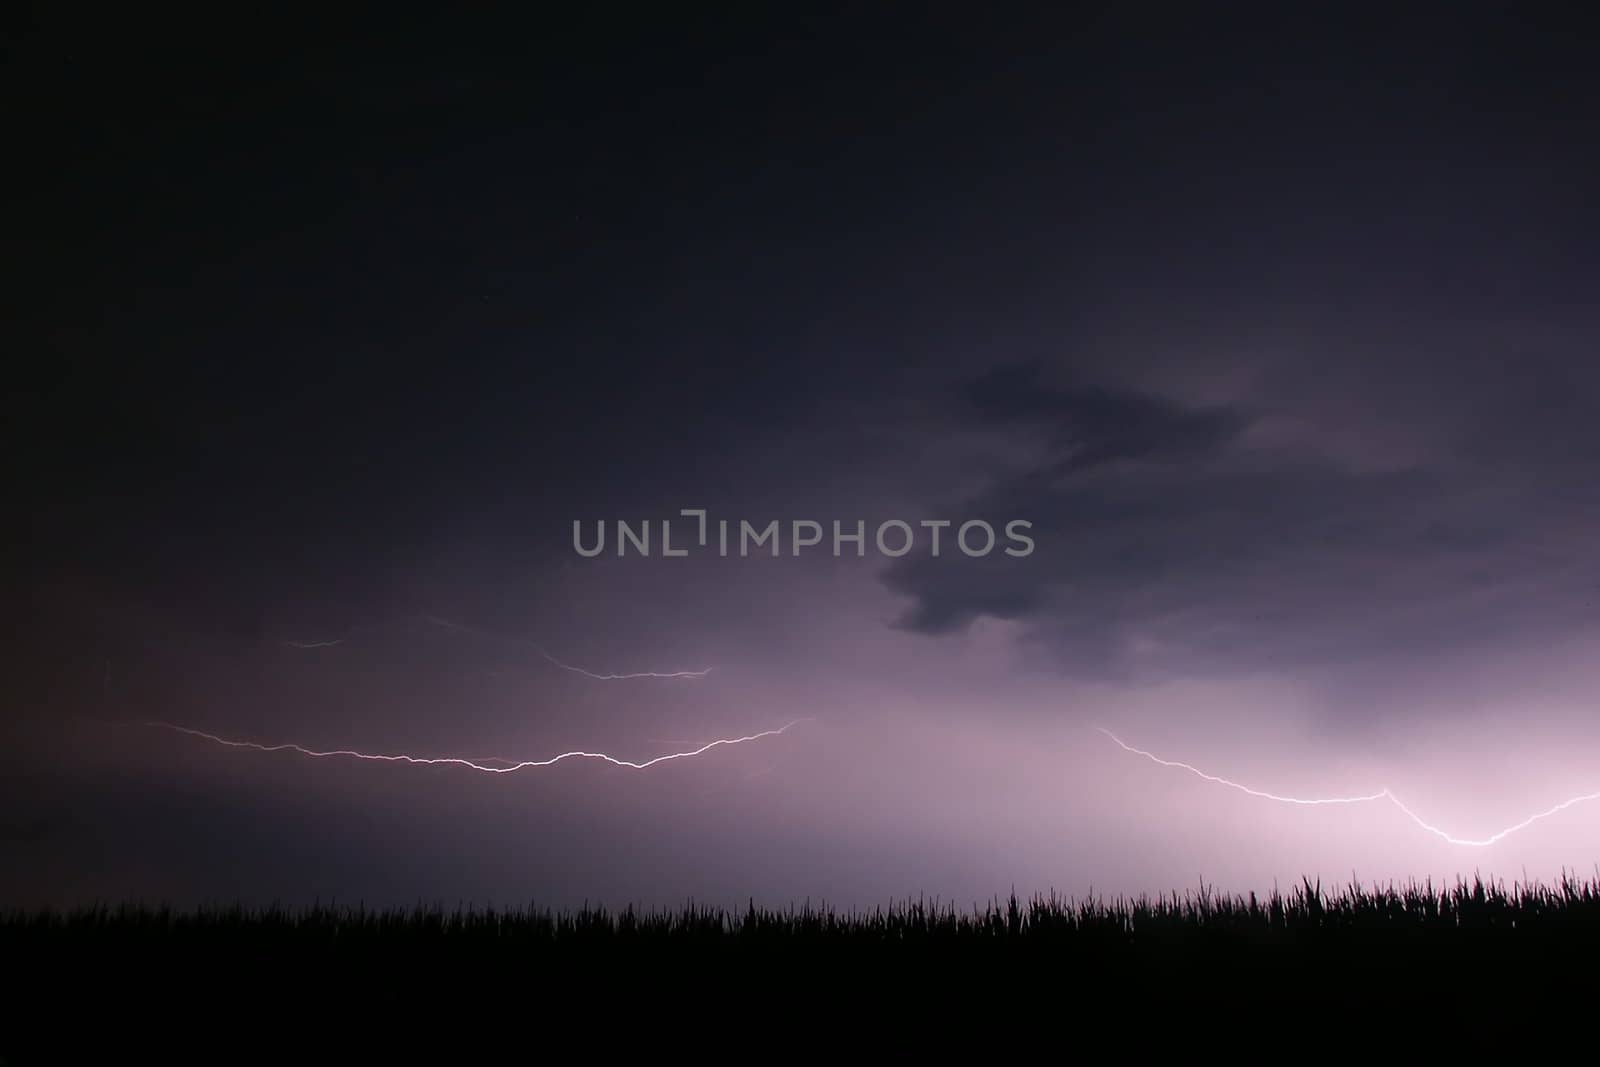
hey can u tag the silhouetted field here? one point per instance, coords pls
(1415, 942)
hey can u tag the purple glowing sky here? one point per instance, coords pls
(1291, 371)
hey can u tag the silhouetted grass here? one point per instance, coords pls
(1355, 941)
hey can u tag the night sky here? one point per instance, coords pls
(1279, 329)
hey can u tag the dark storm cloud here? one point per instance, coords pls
(1093, 425)
(1196, 553)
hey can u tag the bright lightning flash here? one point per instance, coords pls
(483, 764)
(1382, 794)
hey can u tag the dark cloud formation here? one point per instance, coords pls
(1093, 425)
(1169, 545)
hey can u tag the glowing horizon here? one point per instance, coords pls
(1383, 794)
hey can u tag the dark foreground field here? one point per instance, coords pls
(1414, 944)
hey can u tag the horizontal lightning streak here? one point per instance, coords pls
(481, 764)
(1383, 794)
(1152, 757)
(1501, 835)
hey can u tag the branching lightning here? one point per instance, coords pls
(485, 764)
(1382, 794)
(434, 620)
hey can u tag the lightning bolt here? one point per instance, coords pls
(434, 620)
(1153, 758)
(1495, 837)
(484, 764)
(1382, 794)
